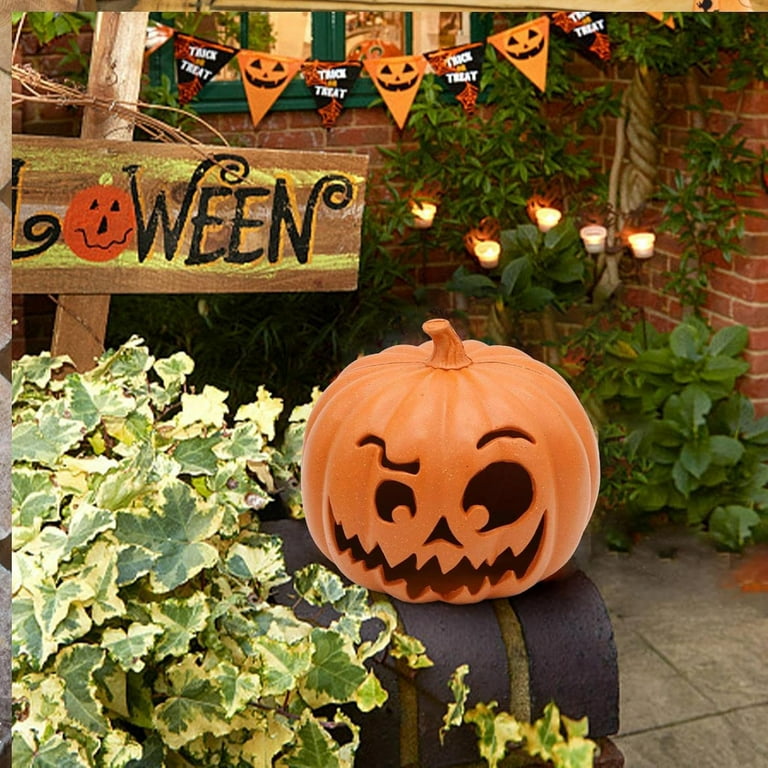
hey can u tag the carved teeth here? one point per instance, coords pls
(431, 576)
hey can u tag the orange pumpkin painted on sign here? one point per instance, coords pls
(451, 471)
(99, 223)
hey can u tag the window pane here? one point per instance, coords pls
(440, 29)
(291, 33)
(374, 34)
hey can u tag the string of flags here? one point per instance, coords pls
(397, 78)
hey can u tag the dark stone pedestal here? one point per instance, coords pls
(552, 643)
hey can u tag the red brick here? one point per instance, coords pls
(758, 362)
(750, 313)
(740, 287)
(755, 387)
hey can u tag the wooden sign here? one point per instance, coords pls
(95, 217)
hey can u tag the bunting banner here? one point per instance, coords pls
(397, 79)
(459, 70)
(264, 78)
(659, 16)
(197, 62)
(527, 47)
(330, 83)
(157, 36)
(587, 29)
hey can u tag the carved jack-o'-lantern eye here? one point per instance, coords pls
(99, 223)
(504, 489)
(397, 76)
(263, 74)
(526, 44)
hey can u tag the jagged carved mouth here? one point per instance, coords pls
(430, 575)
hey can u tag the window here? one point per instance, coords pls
(321, 35)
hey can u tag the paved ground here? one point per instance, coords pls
(693, 655)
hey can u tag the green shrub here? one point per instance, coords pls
(144, 633)
(677, 436)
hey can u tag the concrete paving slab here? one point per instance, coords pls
(709, 742)
(692, 653)
(667, 697)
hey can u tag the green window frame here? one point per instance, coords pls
(328, 44)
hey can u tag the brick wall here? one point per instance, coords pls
(739, 291)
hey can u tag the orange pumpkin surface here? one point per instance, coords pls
(453, 471)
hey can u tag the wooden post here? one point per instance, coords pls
(115, 74)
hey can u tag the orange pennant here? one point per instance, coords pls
(264, 78)
(397, 79)
(527, 47)
(659, 16)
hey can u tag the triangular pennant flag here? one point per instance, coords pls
(264, 78)
(587, 28)
(397, 79)
(459, 70)
(659, 16)
(197, 62)
(330, 83)
(157, 35)
(527, 47)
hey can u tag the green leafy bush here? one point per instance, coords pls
(144, 633)
(679, 437)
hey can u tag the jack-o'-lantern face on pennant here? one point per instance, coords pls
(99, 223)
(459, 70)
(527, 47)
(264, 78)
(397, 80)
(451, 471)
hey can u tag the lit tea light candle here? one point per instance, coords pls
(546, 218)
(423, 214)
(642, 244)
(593, 237)
(487, 253)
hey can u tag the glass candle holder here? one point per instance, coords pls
(546, 218)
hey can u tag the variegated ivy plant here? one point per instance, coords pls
(143, 630)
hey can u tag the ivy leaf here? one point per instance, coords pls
(89, 401)
(26, 634)
(180, 620)
(542, 735)
(318, 585)
(194, 708)
(174, 370)
(282, 664)
(266, 742)
(119, 748)
(86, 523)
(129, 648)
(100, 573)
(454, 715)
(314, 747)
(207, 408)
(55, 752)
(36, 370)
(370, 694)
(494, 731)
(258, 558)
(237, 687)
(335, 671)
(576, 753)
(263, 412)
(173, 532)
(76, 665)
(46, 438)
(196, 456)
(411, 649)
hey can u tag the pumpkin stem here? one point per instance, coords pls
(448, 352)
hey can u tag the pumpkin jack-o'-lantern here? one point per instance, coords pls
(451, 471)
(99, 222)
